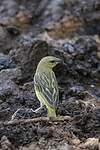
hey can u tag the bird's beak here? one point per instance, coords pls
(59, 61)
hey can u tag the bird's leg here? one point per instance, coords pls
(35, 111)
(38, 109)
(14, 115)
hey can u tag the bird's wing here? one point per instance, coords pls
(48, 87)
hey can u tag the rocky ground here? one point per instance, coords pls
(30, 30)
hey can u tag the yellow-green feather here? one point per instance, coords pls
(46, 86)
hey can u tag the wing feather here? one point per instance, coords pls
(48, 87)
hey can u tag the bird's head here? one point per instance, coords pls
(49, 62)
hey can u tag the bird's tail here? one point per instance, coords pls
(51, 112)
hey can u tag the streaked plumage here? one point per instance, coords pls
(45, 83)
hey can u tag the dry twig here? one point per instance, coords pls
(39, 119)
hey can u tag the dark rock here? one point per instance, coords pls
(23, 134)
(10, 74)
(71, 106)
(13, 30)
(69, 47)
(47, 133)
(8, 89)
(24, 56)
(83, 61)
(7, 10)
(5, 61)
(88, 123)
(5, 43)
(78, 91)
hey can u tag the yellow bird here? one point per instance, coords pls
(46, 86)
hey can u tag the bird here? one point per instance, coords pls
(46, 85)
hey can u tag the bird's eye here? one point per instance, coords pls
(52, 61)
